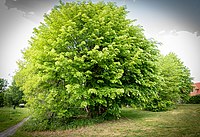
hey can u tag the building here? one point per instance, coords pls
(196, 89)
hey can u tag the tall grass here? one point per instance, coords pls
(9, 116)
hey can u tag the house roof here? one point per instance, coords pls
(197, 85)
(196, 89)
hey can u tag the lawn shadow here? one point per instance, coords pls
(135, 114)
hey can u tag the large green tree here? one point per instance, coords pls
(87, 56)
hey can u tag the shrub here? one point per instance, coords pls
(194, 100)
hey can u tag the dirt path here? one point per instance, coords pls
(10, 131)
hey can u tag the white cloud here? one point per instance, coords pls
(162, 32)
(31, 13)
(185, 44)
(49, 11)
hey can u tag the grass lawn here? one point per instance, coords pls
(181, 122)
(9, 117)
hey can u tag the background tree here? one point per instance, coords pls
(174, 84)
(87, 56)
(13, 96)
(3, 85)
(177, 83)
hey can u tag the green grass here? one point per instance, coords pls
(9, 117)
(184, 121)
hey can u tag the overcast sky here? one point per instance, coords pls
(174, 23)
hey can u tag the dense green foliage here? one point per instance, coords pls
(194, 100)
(10, 96)
(3, 85)
(58, 124)
(87, 57)
(13, 96)
(1, 99)
(175, 83)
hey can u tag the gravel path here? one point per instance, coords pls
(10, 131)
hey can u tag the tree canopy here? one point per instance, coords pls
(177, 83)
(87, 56)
